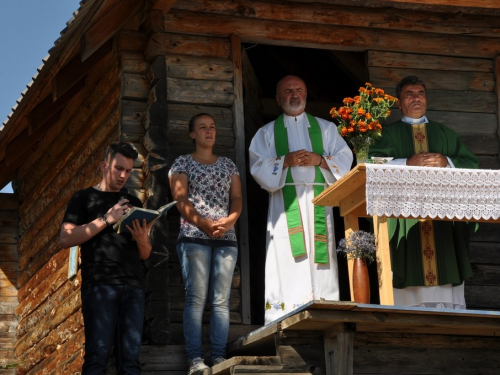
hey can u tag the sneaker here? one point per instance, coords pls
(196, 365)
(218, 360)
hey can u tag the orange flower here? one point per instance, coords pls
(368, 115)
(344, 116)
(348, 100)
(362, 89)
(360, 112)
(350, 129)
(379, 92)
(343, 132)
(369, 92)
(357, 99)
(333, 111)
(368, 84)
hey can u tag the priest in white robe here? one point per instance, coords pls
(295, 158)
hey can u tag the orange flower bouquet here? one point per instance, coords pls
(359, 118)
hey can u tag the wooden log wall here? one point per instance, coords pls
(460, 94)
(199, 78)
(50, 330)
(9, 234)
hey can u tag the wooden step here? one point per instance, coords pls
(276, 370)
(243, 361)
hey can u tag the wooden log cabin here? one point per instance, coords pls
(137, 70)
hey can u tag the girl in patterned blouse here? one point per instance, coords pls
(207, 189)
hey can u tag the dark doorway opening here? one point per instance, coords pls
(330, 76)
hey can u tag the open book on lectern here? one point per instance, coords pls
(140, 214)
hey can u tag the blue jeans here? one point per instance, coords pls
(207, 272)
(112, 314)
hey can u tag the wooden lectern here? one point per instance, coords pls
(349, 195)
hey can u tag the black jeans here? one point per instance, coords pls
(112, 314)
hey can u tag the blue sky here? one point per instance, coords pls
(28, 29)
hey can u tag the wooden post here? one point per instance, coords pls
(339, 349)
(384, 268)
(239, 146)
(497, 91)
(351, 224)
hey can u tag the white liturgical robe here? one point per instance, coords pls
(293, 281)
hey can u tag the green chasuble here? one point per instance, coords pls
(452, 238)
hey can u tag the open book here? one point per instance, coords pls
(140, 213)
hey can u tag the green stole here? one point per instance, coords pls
(292, 209)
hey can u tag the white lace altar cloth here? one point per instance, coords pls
(453, 193)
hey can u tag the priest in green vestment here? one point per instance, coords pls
(430, 259)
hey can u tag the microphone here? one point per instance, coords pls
(123, 194)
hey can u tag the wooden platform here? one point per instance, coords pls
(326, 337)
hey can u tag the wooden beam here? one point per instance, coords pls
(497, 92)
(330, 36)
(384, 267)
(371, 15)
(240, 150)
(163, 5)
(493, 4)
(72, 73)
(106, 27)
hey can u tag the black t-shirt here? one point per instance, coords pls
(108, 258)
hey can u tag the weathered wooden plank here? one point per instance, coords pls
(200, 91)
(329, 37)
(434, 79)
(482, 145)
(135, 86)
(425, 361)
(336, 13)
(101, 88)
(9, 235)
(199, 67)
(489, 162)
(106, 27)
(69, 356)
(155, 46)
(8, 305)
(484, 253)
(129, 40)
(47, 346)
(61, 312)
(409, 340)
(133, 62)
(8, 252)
(27, 323)
(480, 296)
(196, 45)
(9, 273)
(43, 291)
(427, 62)
(484, 275)
(76, 70)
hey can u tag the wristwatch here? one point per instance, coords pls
(105, 219)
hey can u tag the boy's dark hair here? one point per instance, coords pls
(122, 148)
(196, 117)
(410, 80)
